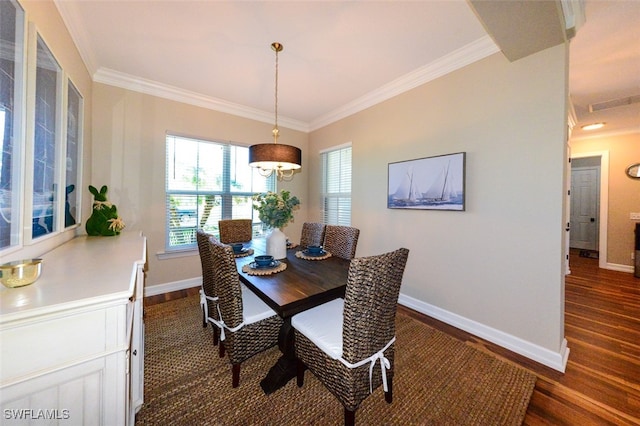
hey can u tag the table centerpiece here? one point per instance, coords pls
(275, 210)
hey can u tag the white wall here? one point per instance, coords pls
(495, 269)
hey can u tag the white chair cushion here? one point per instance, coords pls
(253, 308)
(323, 326)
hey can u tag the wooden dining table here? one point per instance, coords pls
(304, 284)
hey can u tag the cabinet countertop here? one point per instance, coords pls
(84, 271)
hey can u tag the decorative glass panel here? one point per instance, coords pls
(72, 163)
(11, 120)
(44, 215)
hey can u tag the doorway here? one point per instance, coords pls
(580, 162)
(585, 205)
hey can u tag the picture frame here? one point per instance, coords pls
(430, 183)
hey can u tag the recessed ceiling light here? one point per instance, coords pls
(593, 126)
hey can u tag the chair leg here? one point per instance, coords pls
(349, 417)
(235, 375)
(221, 349)
(216, 335)
(204, 319)
(300, 372)
(388, 396)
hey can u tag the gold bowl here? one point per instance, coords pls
(20, 272)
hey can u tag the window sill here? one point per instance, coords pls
(164, 255)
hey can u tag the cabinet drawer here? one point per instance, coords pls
(54, 342)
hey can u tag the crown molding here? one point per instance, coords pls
(150, 87)
(78, 32)
(457, 59)
(607, 134)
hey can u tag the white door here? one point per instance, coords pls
(585, 199)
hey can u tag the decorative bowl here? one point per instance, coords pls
(20, 272)
(263, 260)
(237, 247)
(314, 249)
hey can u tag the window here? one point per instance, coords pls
(336, 186)
(208, 181)
(11, 121)
(44, 218)
(72, 160)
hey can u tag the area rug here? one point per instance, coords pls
(438, 381)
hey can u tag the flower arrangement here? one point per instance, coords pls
(275, 210)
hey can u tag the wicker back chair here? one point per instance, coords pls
(341, 241)
(208, 295)
(312, 234)
(235, 230)
(249, 326)
(340, 340)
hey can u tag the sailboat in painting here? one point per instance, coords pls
(442, 192)
(407, 192)
(442, 188)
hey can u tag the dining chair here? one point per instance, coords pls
(248, 325)
(208, 295)
(312, 234)
(349, 344)
(341, 241)
(235, 230)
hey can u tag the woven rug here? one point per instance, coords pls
(438, 381)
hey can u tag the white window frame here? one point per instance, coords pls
(225, 194)
(15, 196)
(335, 215)
(57, 205)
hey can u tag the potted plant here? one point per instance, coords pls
(275, 210)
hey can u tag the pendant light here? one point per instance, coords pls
(274, 158)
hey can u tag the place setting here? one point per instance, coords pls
(239, 250)
(264, 265)
(313, 253)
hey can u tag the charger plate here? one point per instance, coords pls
(244, 253)
(247, 269)
(302, 255)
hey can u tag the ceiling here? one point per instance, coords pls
(339, 57)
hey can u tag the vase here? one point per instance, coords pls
(277, 244)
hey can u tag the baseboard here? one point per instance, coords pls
(555, 360)
(172, 286)
(619, 268)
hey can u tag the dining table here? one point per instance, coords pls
(306, 282)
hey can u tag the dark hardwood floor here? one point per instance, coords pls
(601, 385)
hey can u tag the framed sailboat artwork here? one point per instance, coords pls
(431, 183)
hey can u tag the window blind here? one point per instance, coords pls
(336, 186)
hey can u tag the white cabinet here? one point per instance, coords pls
(72, 343)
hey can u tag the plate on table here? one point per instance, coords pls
(243, 251)
(321, 253)
(273, 264)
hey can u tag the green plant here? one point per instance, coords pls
(275, 210)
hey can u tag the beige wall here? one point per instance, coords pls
(129, 157)
(624, 193)
(499, 263)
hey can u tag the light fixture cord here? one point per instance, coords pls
(275, 128)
